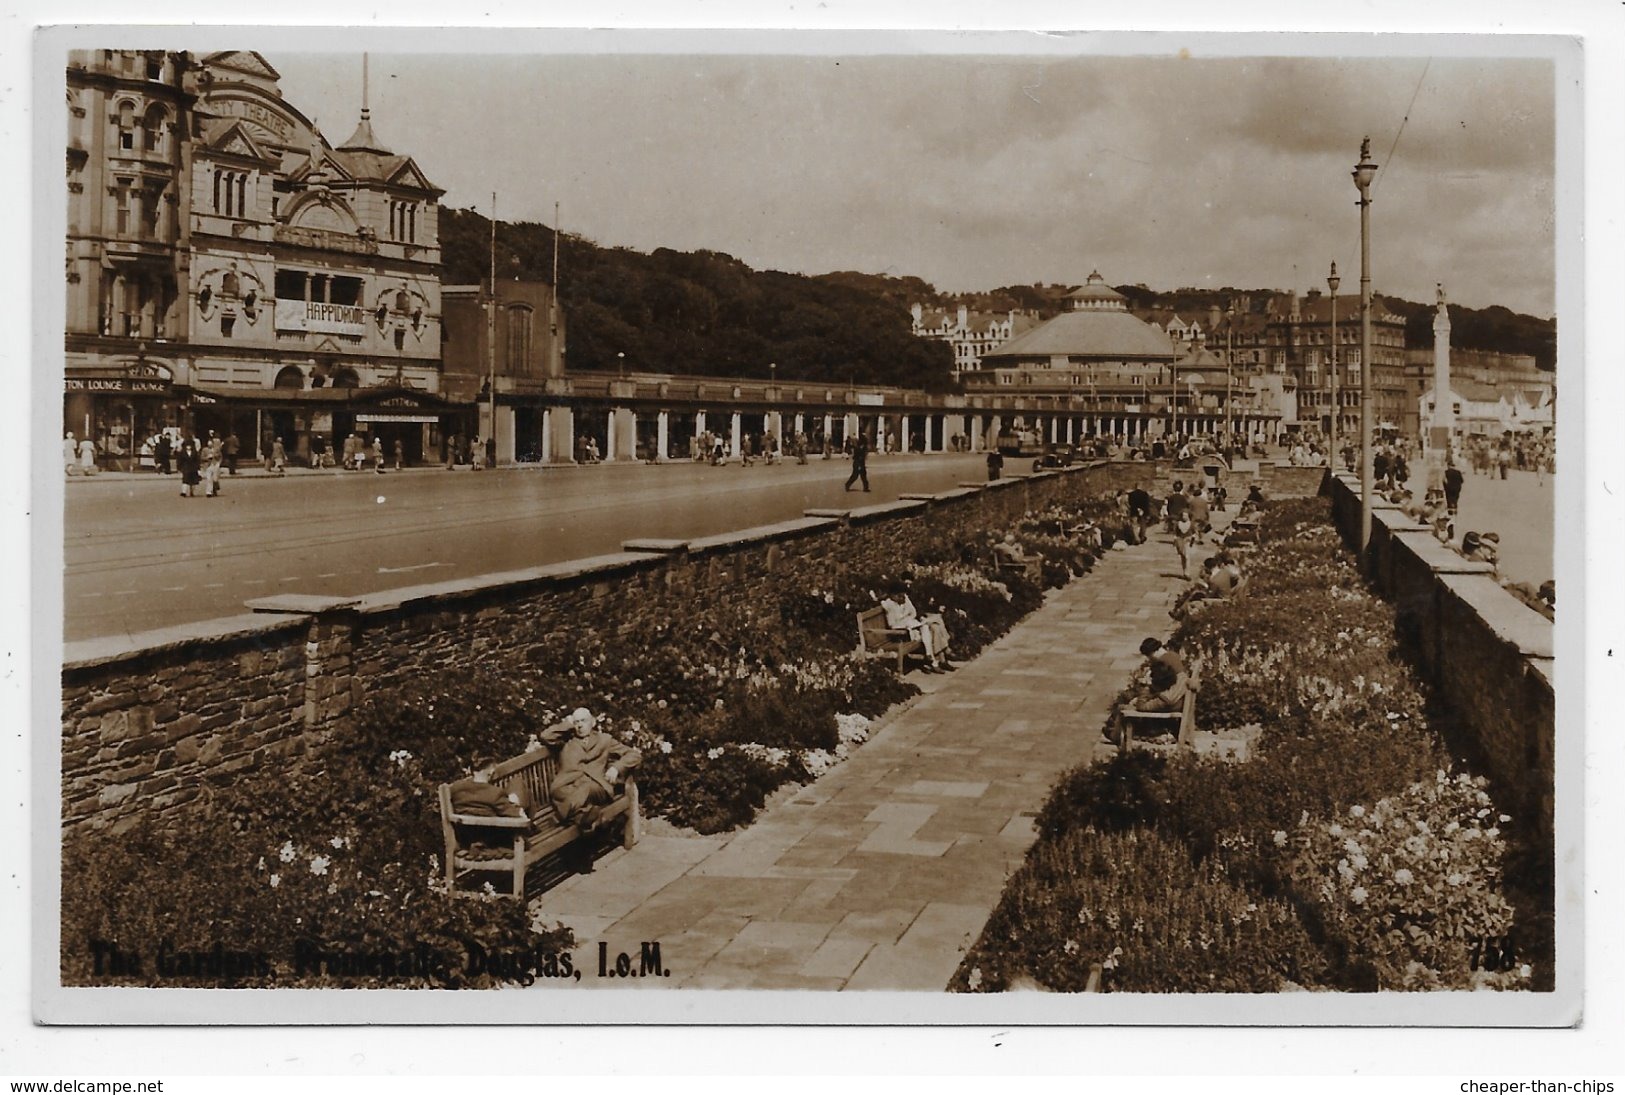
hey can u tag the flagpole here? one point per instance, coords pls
(491, 338)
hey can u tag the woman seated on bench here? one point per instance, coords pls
(1166, 691)
(929, 631)
(592, 769)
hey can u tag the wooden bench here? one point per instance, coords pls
(1181, 724)
(874, 637)
(1032, 567)
(509, 845)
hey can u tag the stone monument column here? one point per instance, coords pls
(1439, 430)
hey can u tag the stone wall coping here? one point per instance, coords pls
(389, 600)
(1441, 560)
(761, 534)
(664, 547)
(942, 496)
(1544, 667)
(111, 649)
(837, 514)
(306, 604)
(1510, 619)
(869, 514)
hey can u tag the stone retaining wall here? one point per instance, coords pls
(1488, 655)
(148, 721)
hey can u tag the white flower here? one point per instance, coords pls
(318, 864)
(260, 866)
(1525, 970)
(1505, 818)
(337, 842)
(1280, 838)
(332, 887)
(1456, 879)
(276, 880)
(288, 852)
(1358, 895)
(1404, 877)
(713, 754)
(665, 746)
(975, 979)
(1335, 830)
(1070, 947)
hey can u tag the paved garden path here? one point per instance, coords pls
(881, 874)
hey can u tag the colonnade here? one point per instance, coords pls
(564, 433)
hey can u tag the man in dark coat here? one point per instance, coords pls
(1452, 486)
(860, 463)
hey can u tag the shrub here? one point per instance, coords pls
(1137, 904)
(1407, 885)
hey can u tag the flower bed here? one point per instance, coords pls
(1377, 867)
(727, 705)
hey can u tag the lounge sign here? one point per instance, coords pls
(132, 384)
(313, 315)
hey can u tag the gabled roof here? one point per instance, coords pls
(1089, 333)
(371, 167)
(247, 61)
(230, 136)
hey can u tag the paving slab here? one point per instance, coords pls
(882, 874)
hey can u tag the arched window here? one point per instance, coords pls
(126, 126)
(346, 378)
(217, 176)
(290, 377)
(152, 127)
(242, 195)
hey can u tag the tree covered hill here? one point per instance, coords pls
(705, 312)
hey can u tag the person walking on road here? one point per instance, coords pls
(860, 463)
(187, 461)
(279, 458)
(233, 447)
(378, 455)
(995, 464)
(213, 456)
(70, 455)
(400, 452)
(162, 451)
(87, 456)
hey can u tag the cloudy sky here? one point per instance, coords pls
(979, 170)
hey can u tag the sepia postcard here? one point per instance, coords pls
(807, 527)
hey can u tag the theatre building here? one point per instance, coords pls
(231, 269)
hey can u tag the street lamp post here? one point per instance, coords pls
(620, 363)
(1364, 172)
(1332, 282)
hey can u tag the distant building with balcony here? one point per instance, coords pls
(971, 334)
(229, 268)
(1121, 374)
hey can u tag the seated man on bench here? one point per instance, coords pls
(592, 769)
(1169, 679)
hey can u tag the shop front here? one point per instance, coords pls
(122, 409)
(314, 425)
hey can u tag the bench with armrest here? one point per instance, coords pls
(479, 843)
(874, 637)
(1180, 724)
(1031, 566)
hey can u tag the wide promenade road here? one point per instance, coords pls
(1521, 510)
(138, 556)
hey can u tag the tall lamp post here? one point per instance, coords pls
(491, 343)
(1332, 282)
(1364, 172)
